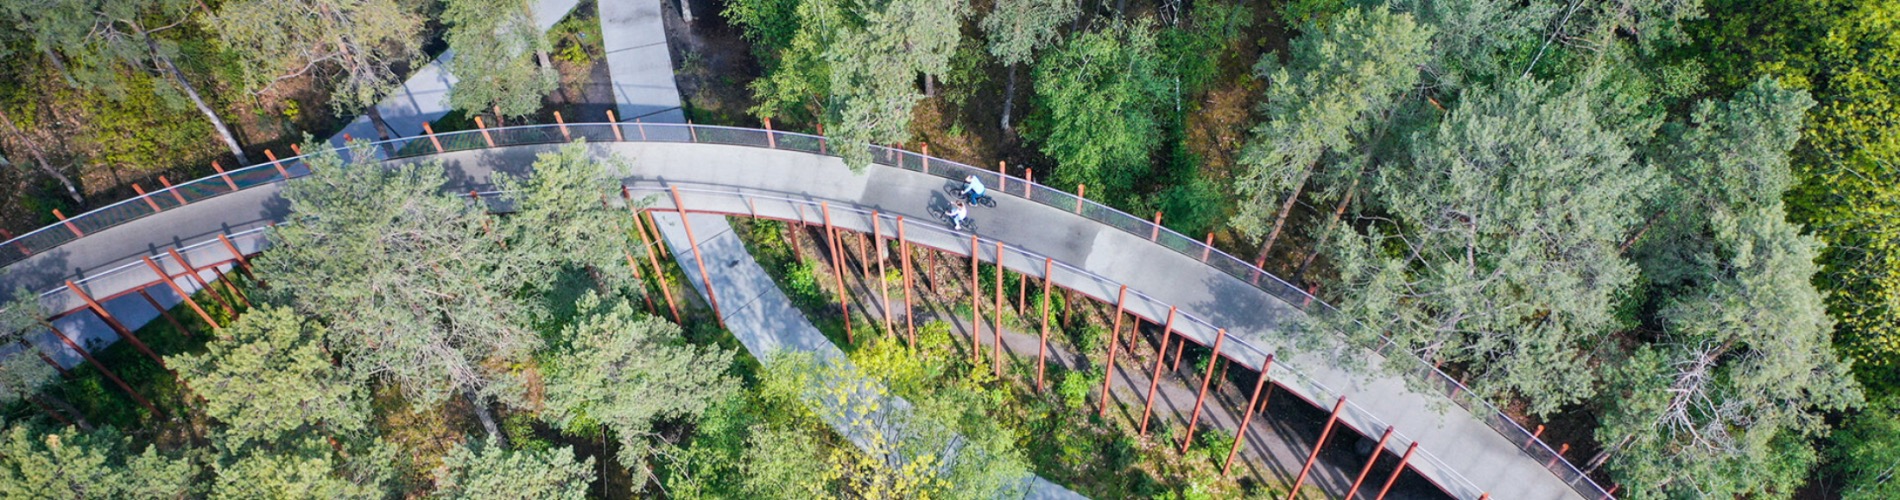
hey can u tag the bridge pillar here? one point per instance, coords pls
(837, 270)
(1397, 470)
(659, 275)
(903, 245)
(162, 312)
(693, 242)
(1377, 451)
(1114, 339)
(1042, 349)
(1314, 456)
(114, 322)
(976, 307)
(1154, 380)
(884, 286)
(996, 332)
(1220, 338)
(1246, 417)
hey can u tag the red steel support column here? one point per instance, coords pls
(1179, 348)
(1220, 337)
(884, 285)
(996, 332)
(1246, 417)
(1042, 349)
(244, 264)
(1080, 189)
(1314, 456)
(1114, 339)
(771, 140)
(694, 243)
(1396, 471)
(167, 278)
(837, 271)
(1207, 246)
(1377, 451)
(114, 322)
(976, 307)
(102, 367)
(659, 275)
(167, 314)
(192, 271)
(1154, 380)
(1155, 232)
(910, 326)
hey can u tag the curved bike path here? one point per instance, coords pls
(1467, 458)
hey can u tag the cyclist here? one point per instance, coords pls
(958, 212)
(972, 188)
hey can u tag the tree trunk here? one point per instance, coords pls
(230, 141)
(486, 416)
(930, 85)
(1280, 221)
(1625, 247)
(383, 132)
(39, 159)
(78, 419)
(59, 64)
(1009, 98)
(1339, 212)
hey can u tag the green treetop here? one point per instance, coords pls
(353, 44)
(480, 471)
(37, 463)
(1098, 98)
(270, 374)
(496, 44)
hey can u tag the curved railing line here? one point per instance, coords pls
(771, 139)
(1379, 424)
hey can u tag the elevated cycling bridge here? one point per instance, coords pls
(1450, 437)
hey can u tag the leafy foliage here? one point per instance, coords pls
(1097, 107)
(629, 373)
(494, 43)
(270, 375)
(353, 43)
(485, 471)
(38, 463)
(308, 467)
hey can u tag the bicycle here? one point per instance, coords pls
(955, 190)
(943, 216)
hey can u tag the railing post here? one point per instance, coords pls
(997, 313)
(1206, 380)
(903, 245)
(616, 126)
(1534, 434)
(563, 124)
(1397, 470)
(1314, 456)
(1114, 339)
(771, 139)
(1029, 178)
(1080, 189)
(642, 127)
(69, 224)
(925, 146)
(1155, 232)
(168, 187)
(976, 307)
(1559, 456)
(222, 175)
(711, 298)
(278, 164)
(1378, 450)
(169, 281)
(484, 127)
(1246, 417)
(693, 131)
(837, 270)
(430, 131)
(148, 199)
(1154, 381)
(1042, 349)
(1207, 246)
(117, 327)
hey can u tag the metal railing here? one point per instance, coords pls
(172, 197)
